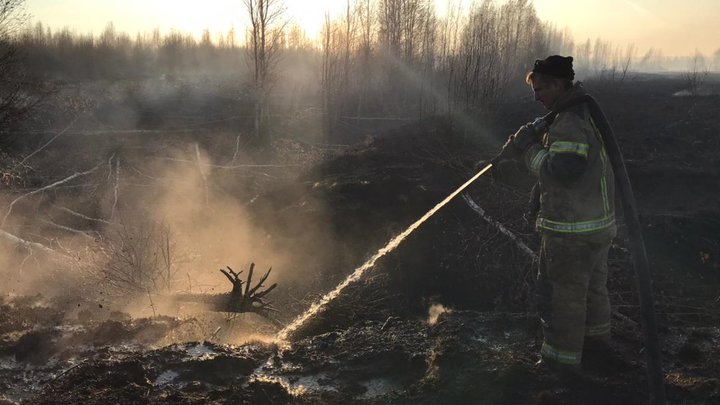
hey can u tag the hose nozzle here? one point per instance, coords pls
(539, 125)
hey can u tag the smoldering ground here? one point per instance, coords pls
(173, 200)
(364, 340)
(142, 228)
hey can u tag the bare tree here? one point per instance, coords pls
(12, 18)
(626, 61)
(345, 45)
(496, 46)
(583, 53)
(267, 24)
(601, 56)
(330, 80)
(400, 32)
(427, 60)
(697, 74)
(651, 59)
(449, 39)
(14, 101)
(367, 22)
(139, 258)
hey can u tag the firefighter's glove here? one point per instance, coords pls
(509, 151)
(524, 137)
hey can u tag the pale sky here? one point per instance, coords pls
(676, 27)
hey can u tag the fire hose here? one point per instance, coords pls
(639, 254)
(637, 244)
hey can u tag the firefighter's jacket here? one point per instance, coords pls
(575, 177)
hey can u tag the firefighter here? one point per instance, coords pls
(576, 217)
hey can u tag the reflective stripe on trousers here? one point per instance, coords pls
(572, 294)
(560, 356)
(575, 227)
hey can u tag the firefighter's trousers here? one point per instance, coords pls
(572, 293)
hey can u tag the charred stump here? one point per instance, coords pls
(251, 299)
(242, 297)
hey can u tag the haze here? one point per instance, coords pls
(672, 27)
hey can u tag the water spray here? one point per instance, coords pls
(285, 333)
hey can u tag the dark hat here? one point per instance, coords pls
(555, 65)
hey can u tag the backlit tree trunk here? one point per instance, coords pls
(265, 38)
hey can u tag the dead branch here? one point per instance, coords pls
(236, 292)
(30, 255)
(237, 149)
(32, 245)
(59, 134)
(82, 216)
(136, 170)
(202, 174)
(239, 299)
(110, 167)
(378, 118)
(48, 187)
(250, 274)
(523, 247)
(127, 132)
(259, 284)
(139, 256)
(245, 166)
(68, 229)
(117, 187)
(251, 300)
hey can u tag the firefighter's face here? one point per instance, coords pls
(547, 91)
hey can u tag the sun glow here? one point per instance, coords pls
(131, 16)
(673, 28)
(223, 15)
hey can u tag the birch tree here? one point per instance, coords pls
(265, 36)
(14, 102)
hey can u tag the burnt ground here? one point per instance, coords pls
(445, 318)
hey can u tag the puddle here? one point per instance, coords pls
(299, 385)
(201, 352)
(166, 378)
(19, 381)
(8, 363)
(378, 387)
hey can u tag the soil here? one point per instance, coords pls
(448, 316)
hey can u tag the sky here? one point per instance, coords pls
(673, 26)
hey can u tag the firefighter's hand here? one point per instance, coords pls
(524, 137)
(509, 151)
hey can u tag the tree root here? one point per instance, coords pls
(251, 299)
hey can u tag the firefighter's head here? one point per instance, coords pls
(550, 78)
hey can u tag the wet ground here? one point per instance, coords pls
(446, 318)
(449, 357)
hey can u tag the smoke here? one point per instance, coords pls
(168, 215)
(217, 229)
(434, 313)
(193, 226)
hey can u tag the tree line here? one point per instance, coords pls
(379, 58)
